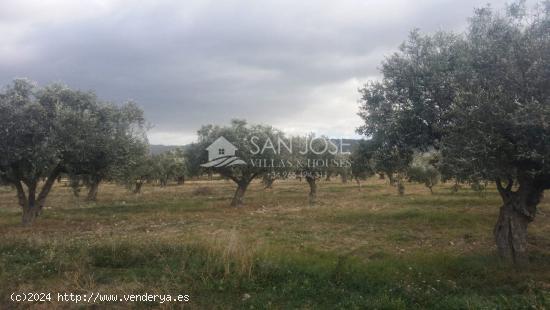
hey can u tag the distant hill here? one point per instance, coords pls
(156, 149)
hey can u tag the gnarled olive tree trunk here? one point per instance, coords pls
(31, 203)
(344, 178)
(430, 187)
(242, 180)
(238, 198)
(268, 181)
(312, 189)
(137, 186)
(518, 210)
(28, 203)
(400, 187)
(391, 178)
(92, 191)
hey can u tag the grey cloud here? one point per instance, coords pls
(197, 62)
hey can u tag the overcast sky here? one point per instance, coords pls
(296, 65)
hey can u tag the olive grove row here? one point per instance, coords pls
(470, 107)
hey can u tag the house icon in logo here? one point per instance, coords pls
(219, 148)
(221, 153)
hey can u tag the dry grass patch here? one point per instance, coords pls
(173, 239)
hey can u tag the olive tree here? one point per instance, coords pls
(269, 178)
(481, 99)
(28, 155)
(423, 169)
(169, 166)
(45, 132)
(362, 165)
(501, 130)
(117, 133)
(387, 159)
(313, 158)
(254, 144)
(137, 172)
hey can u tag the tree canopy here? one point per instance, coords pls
(482, 99)
(53, 130)
(115, 136)
(250, 141)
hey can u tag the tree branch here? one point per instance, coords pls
(48, 185)
(226, 174)
(20, 193)
(504, 192)
(254, 175)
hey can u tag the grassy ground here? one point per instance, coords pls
(365, 248)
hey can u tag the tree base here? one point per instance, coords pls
(238, 198)
(511, 235)
(312, 190)
(29, 215)
(92, 193)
